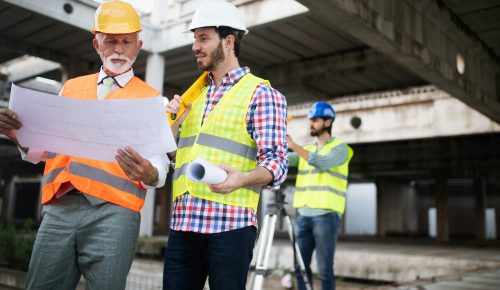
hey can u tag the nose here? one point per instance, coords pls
(119, 48)
(195, 47)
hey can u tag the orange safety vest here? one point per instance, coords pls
(104, 180)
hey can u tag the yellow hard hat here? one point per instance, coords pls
(115, 17)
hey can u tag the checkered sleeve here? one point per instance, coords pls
(266, 123)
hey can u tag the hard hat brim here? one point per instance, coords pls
(192, 29)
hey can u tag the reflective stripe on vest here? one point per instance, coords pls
(227, 145)
(320, 188)
(222, 138)
(220, 143)
(186, 142)
(51, 176)
(315, 170)
(324, 189)
(106, 178)
(51, 155)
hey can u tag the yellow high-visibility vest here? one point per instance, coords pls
(322, 189)
(223, 138)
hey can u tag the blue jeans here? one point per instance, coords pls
(318, 232)
(223, 257)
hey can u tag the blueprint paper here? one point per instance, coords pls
(200, 170)
(91, 129)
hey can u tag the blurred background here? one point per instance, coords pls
(416, 87)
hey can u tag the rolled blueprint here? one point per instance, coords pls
(200, 170)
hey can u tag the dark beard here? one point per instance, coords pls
(318, 133)
(216, 58)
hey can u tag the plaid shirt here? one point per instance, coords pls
(266, 124)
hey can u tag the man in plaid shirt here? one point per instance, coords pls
(209, 236)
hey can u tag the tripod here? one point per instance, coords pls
(259, 264)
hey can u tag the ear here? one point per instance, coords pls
(230, 41)
(95, 44)
(139, 44)
(328, 123)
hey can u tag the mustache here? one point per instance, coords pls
(119, 56)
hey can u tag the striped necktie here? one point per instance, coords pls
(107, 83)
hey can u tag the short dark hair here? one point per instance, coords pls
(225, 31)
(330, 127)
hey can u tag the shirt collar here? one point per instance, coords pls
(232, 76)
(121, 80)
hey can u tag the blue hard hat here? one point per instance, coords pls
(321, 110)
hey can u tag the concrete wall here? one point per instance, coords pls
(461, 206)
(420, 112)
(397, 210)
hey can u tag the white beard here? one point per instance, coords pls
(117, 68)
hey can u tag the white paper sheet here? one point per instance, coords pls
(200, 170)
(91, 129)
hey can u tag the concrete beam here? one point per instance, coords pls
(162, 33)
(172, 34)
(302, 73)
(424, 37)
(42, 52)
(412, 113)
(299, 72)
(29, 67)
(81, 16)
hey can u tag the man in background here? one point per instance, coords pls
(320, 193)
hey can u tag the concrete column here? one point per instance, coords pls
(155, 71)
(381, 211)
(155, 68)
(3, 193)
(64, 74)
(147, 214)
(165, 206)
(480, 206)
(441, 193)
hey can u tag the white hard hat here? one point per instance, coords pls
(218, 13)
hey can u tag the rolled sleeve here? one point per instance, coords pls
(336, 157)
(266, 123)
(33, 155)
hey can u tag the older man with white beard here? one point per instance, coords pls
(91, 209)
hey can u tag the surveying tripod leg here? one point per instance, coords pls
(264, 245)
(300, 261)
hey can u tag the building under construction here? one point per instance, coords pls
(416, 87)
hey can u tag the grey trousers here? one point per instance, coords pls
(78, 238)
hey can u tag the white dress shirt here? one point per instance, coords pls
(160, 162)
